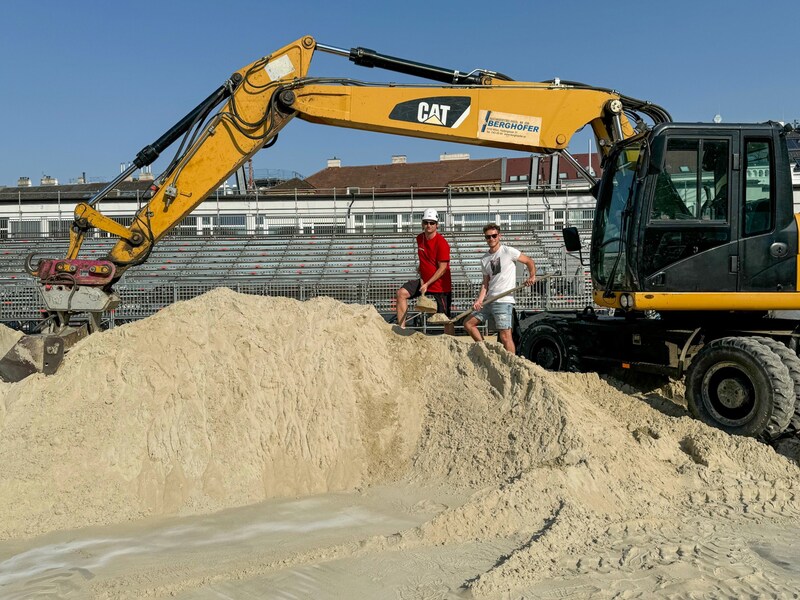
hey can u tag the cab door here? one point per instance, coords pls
(689, 241)
(768, 246)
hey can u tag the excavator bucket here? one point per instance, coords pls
(32, 354)
(38, 353)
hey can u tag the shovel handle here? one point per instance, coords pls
(486, 302)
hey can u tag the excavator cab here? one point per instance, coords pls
(705, 211)
(694, 254)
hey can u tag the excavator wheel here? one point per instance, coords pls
(740, 385)
(550, 345)
(792, 362)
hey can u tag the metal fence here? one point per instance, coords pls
(355, 247)
(21, 305)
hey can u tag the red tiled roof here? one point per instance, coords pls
(439, 175)
(435, 175)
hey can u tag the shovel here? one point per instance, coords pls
(466, 313)
(426, 304)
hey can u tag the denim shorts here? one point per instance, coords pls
(500, 312)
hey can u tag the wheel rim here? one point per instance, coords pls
(729, 394)
(546, 353)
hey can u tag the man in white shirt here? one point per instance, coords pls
(499, 275)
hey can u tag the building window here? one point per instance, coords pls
(23, 228)
(581, 218)
(233, 224)
(187, 226)
(58, 228)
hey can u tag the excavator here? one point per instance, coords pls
(693, 252)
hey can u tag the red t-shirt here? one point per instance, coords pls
(431, 252)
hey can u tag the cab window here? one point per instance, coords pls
(693, 183)
(758, 200)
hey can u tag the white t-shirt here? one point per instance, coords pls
(502, 271)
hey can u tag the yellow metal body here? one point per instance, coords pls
(549, 116)
(707, 301)
(557, 112)
(703, 301)
(232, 136)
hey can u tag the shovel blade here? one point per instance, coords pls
(427, 305)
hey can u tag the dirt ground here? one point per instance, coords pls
(238, 446)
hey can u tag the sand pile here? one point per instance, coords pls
(221, 401)
(230, 399)
(8, 337)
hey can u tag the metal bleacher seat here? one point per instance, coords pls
(350, 267)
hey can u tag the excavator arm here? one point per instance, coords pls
(481, 108)
(266, 94)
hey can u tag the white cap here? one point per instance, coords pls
(430, 214)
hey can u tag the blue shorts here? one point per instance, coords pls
(500, 312)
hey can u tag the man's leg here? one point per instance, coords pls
(503, 316)
(402, 306)
(471, 325)
(443, 302)
(410, 289)
(505, 337)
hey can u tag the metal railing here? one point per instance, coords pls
(21, 305)
(324, 212)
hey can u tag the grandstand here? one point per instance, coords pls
(353, 268)
(345, 232)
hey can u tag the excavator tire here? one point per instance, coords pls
(792, 362)
(551, 345)
(740, 385)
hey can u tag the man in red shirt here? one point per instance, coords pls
(433, 269)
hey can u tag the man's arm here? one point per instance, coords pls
(528, 262)
(478, 304)
(441, 267)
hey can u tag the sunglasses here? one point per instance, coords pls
(430, 222)
(491, 236)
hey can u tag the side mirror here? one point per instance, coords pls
(572, 239)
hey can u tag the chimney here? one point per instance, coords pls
(398, 159)
(146, 173)
(122, 167)
(334, 163)
(454, 156)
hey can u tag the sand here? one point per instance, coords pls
(329, 456)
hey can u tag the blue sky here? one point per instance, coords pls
(87, 84)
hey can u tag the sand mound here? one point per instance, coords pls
(220, 401)
(8, 337)
(229, 399)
